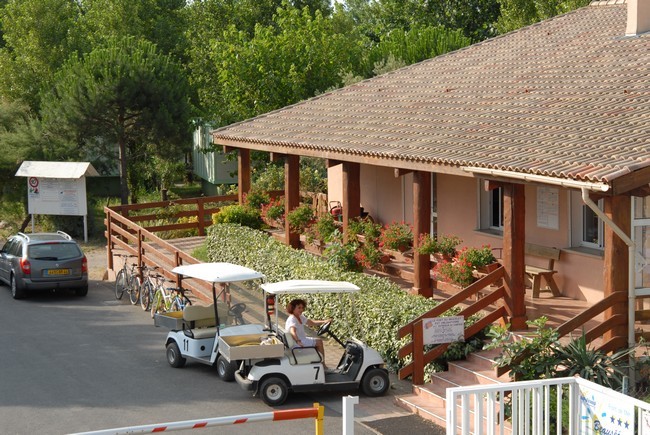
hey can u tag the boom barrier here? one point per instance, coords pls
(317, 413)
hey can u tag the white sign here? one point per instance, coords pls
(548, 208)
(437, 330)
(56, 196)
(600, 414)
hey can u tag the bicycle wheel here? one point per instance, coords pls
(120, 284)
(157, 303)
(134, 289)
(146, 294)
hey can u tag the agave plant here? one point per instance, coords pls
(576, 358)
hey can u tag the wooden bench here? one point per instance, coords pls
(537, 273)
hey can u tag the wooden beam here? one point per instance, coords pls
(243, 173)
(351, 200)
(399, 172)
(640, 191)
(228, 149)
(291, 195)
(421, 225)
(514, 238)
(331, 163)
(491, 185)
(615, 267)
(626, 183)
(277, 157)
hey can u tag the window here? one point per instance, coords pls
(586, 227)
(641, 231)
(491, 210)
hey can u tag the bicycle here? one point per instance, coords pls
(169, 299)
(149, 285)
(127, 281)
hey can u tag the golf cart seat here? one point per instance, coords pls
(201, 321)
(299, 355)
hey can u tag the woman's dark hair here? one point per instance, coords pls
(294, 303)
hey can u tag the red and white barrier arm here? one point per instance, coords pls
(317, 413)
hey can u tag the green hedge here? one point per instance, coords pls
(381, 307)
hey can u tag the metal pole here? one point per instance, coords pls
(348, 414)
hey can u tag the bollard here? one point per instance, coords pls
(348, 414)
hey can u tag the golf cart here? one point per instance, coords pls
(216, 334)
(301, 368)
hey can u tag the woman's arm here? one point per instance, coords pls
(294, 335)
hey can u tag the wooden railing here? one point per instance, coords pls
(578, 322)
(415, 347)
(126, 232)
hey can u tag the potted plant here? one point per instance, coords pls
(442, 247)
(397, 236)
(300, 218)
(322, 230)
(461, 271)
(273, 212)
(478, 258)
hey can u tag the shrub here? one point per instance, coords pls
(273, 212)
(460, 271)
(321, 230)
(238, 214)
(256, 199)
(397, 235)
(477, 257)
(368, 255)
(438, 244)
(342, 255)
(379, 303)
(300, 218)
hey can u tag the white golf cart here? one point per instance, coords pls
(301, 368)
(216, 334)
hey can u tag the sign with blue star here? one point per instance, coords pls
(603, 415)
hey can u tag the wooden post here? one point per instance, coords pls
(418, 353)
(514, 241)
(201, 216)
(139, 251)
(421, 225)
(243, 173)
(291, 195)
(351, 200)
(109, 239)
(615, 278)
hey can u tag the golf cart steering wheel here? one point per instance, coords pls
(237, 309)
(324, 328)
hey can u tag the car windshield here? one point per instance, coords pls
(54, 251)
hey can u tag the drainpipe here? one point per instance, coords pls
(631, 272)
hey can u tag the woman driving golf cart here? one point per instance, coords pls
(295, 326)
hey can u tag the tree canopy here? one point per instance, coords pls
(125, 93)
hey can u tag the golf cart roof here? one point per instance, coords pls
(218, 272)
(300, 286)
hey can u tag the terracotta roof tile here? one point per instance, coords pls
(567, 97)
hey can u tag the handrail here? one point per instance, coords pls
(580, 320)
(415, 346)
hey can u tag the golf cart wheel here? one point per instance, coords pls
(375, 382)
(274, 391)
(174, 357)
(226, 370)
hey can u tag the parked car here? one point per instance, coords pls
(43, 261)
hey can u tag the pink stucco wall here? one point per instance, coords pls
(387, 199)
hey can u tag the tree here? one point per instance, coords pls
(38, 37)
(126, 94)
(519, 13)
(298, 57)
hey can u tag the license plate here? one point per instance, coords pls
(57, 272)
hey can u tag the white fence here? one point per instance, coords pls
(570, 406)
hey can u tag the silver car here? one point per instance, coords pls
(43, 261)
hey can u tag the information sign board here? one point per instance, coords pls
(438, 330)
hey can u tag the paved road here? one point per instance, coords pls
(78, 364)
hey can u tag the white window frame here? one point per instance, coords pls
(578, 217)
(487, 208)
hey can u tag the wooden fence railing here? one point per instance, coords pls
(415, 347)
(132, 229)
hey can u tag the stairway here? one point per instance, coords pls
(428, 401)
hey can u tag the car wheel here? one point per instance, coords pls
(375, 382)
(16, 293)
(174, 357)
(274, 391)
(226, 370)
(81, 292)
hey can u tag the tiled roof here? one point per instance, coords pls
(568, 97)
